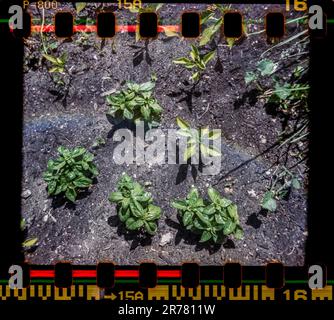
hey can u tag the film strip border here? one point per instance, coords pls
(148, 25)
(188, 281)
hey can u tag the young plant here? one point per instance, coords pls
(28, 243)
(281, 185)
(197, 63)
(134, 206)
(213, 24)
(72, 171)
(288, 96)
(212, 219)
(136, 103)
(196, 139)
(264, 68)
(58, 63)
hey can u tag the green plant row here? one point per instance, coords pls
(212, 219)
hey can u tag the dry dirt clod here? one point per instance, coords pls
(166, 238)
(26, 194)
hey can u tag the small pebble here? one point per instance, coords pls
(26, 194)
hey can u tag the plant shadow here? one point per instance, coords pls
(254, 221)
(137, 238)
(60, 200)
(141, 54)
(183, 173)
(190, 238)
(186, 94)
(123, 124)
(249, 97)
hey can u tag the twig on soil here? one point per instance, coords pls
(296, 36)
(206, 110)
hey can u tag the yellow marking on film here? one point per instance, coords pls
(325, 293)
(206, 291)
(41, 294)
(237, 293)
(255, 293)
(174, 292)
(215, 293)
(267, 293)
(195, 295)
(4, 292)
(20, 294)
(32, 291)
(93, 292)
(158, 293)
(300, 295)
(61, 294)
(81, 291)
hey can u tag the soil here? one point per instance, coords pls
(90, 231)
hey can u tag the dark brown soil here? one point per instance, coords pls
(89, 231)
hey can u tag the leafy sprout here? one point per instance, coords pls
(134, 206)
(198, 138)
(71, 171)
(197, 63)
(136, 103)
(212, 219)
(282, 183)
(58, 63)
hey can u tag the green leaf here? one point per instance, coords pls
(206, 16)
(187, 218)
(213, 152)
(123, 214)
(147, 86)
(233, 212)
(52, 187)
(206, 236)
(194, 53)
(282, 91)
(209, 32)
(238, 233)
(80, 6)
(151, 227)
(268, 201)
(179, 204)
(154, 213)
(23, 224)
(182, 123)
(182, 61)
(71, 194)
(50, 58)
(133, 224)
(128, 114)
(250, 77)
(29, 242)
(170, 33)
(145, 111)
(195, 76)
(229, 227)
(266, 67)
(209, 56)
(230, 42)
(295, 183)
(116, 197)
(214, 134)
(193, 194)
(214, 195)
(219, 219)
(189, 152)
(82, 182)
